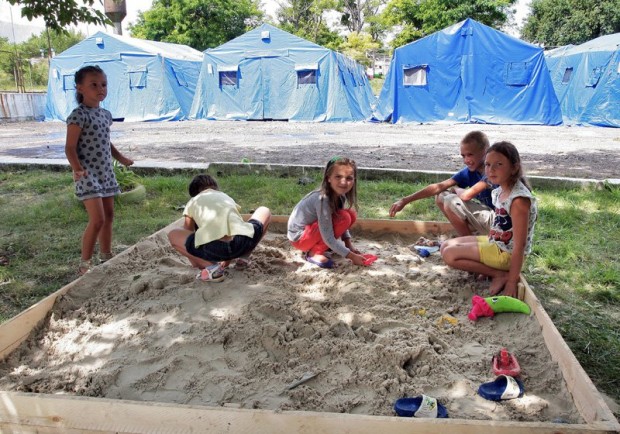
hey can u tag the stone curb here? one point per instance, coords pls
(368, 173)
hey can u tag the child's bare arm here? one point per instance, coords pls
(189, 224)
(73, 135)
(519, 211)
(467, 194)
(428, 191)
(118, 156)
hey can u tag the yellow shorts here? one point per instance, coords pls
(492, 255)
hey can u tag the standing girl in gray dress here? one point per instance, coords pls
(90, 152)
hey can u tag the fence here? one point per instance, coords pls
(22, 106)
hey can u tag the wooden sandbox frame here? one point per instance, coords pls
(45, 413)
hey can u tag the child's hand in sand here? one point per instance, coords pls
(356, 258)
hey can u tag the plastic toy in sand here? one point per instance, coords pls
(491, 305)
(420, 406)
(369, 258)
(505, 363)
(425, 251)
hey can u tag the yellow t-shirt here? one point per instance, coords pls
(217, 215)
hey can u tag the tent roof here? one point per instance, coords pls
(277, 39)
(602, 43)
(165, 49)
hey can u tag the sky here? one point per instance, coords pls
(135, 6)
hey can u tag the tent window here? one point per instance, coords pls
(306, 73)
(306, 77)
(518, 73)
(68, 82)
(415, 75)
(228, 78)
(137, 77)
(181, 81)
(595, 76)
(568, 72)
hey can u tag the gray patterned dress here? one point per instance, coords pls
(94, 152)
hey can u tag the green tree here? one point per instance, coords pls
(420, 18)
(58, 40)
(201, 24)
(35, 71)
(561, 22)
(305, 19)
(58, 14)
(358, 46)
(356, 13)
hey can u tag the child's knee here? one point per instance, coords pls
(439, 201)
(97, 222)
(353, 215)
(345, 217)
(262, 214)
(177, 238)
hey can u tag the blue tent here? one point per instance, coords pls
(586, 79)
(147, 80)
(268, 73)
(469, 72)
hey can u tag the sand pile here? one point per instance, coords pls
(140, 327)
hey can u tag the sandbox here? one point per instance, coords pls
(139, 345)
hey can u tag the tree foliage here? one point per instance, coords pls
(358, 45)
(31, 56)
(305, 18)
(356, 13)
(420, 18)
(58, 41)
(58, 14)
(201, 24)
(562, 22)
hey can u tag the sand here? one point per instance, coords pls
(140, 327)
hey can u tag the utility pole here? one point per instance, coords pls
(49, 45)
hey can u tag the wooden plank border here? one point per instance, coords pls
(401, 227)
(586, 397)
(21, 412)
(42, 413)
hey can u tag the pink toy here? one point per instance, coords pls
(369, 259)
(480, 308)
(505, 363)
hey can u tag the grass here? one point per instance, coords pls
(573, 268)
(377, 85)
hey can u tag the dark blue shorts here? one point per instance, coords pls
(217, 251)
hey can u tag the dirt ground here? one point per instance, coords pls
(575, 152)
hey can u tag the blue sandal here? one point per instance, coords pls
(327, 264)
